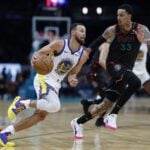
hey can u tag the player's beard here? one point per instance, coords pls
(80, 41)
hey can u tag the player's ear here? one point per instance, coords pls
(130, 16)
(72, 33)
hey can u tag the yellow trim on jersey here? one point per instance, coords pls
(42, 84)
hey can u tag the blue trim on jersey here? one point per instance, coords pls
(72, 52)
(80, 55)
(57, 54)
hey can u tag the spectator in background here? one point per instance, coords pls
(49, 37)
(4, 74)
(2, 86)
(84, 88)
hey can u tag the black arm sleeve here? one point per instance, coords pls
(96, 43)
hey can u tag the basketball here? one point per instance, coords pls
(42, 64)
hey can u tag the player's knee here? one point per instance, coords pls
(52, 108)
(48, 106)
(56, 107)
(132, 80)
(146, 86)
(135, 82)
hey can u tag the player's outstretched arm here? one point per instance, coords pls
(72, 76)
(107, 36)
(104, 50)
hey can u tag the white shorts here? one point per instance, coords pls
(142, 75)
(46, 90)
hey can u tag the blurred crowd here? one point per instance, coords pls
(86, 89)
(9, 86)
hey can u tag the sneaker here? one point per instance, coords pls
(15, 108)
(86, 104)
(4, 140)
(99, 122)
(77, 129)
(110, 121)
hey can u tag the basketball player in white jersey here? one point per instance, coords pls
(140, 68)
(69, 56)
(141, 72)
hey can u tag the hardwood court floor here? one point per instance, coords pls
(55, 132)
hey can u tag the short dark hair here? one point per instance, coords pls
(52, 31)
(128, 8)
(74, 25)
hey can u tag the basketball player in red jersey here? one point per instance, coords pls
(125, 39)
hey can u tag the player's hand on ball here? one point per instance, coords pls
(42, 63)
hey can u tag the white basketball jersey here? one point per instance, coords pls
(64, 61)
(140, 63)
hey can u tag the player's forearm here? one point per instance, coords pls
(103, 64)
(44, 51)
(96, 43)
(102, 60)
(104, 50)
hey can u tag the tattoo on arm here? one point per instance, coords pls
(109, 33)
